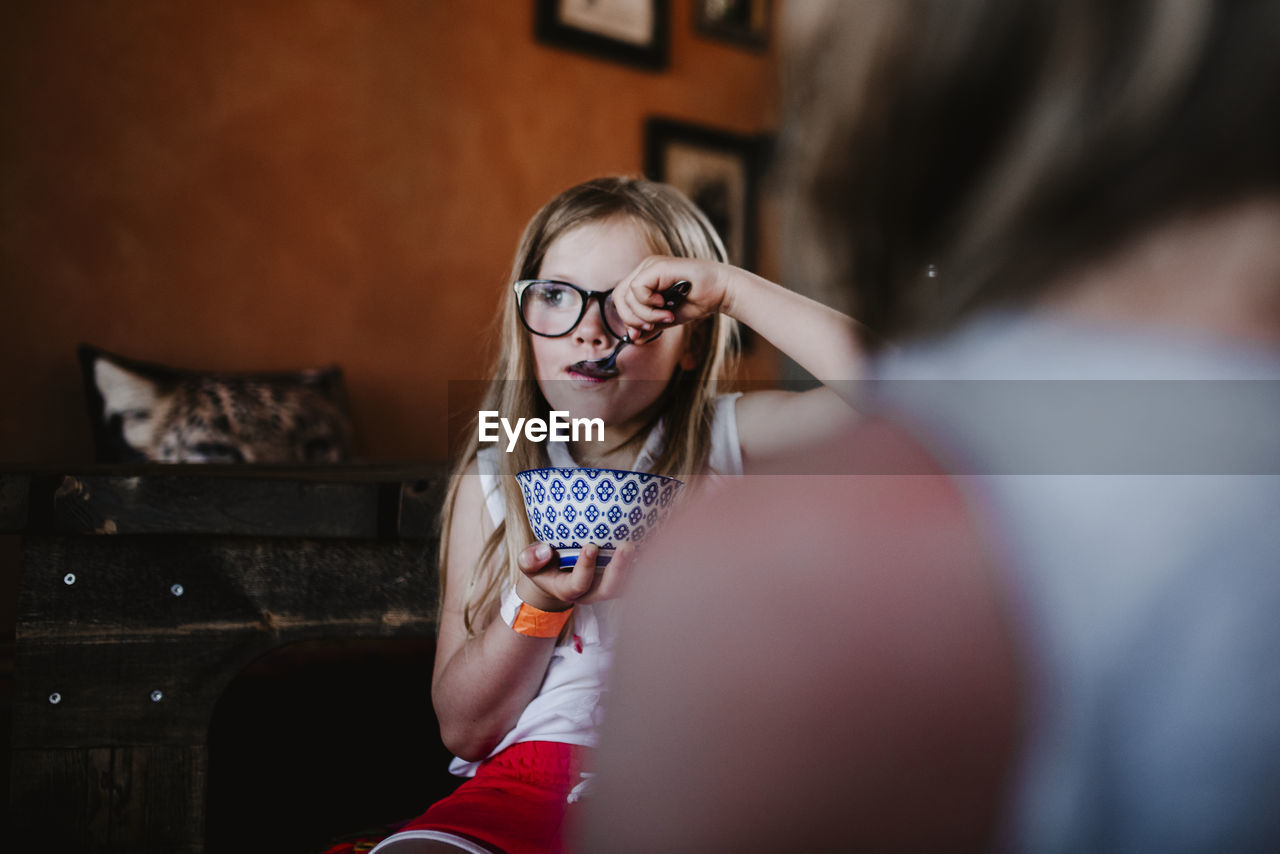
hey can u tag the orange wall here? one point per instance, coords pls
(268, 185)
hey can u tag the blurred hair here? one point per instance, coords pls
(1009, 142)
(674, 226)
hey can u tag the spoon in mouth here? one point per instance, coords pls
(608, 366)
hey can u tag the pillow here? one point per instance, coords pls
(147, 412)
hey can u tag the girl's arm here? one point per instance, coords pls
(820, 339)
(481, 685)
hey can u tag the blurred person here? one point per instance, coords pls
(1030, 602)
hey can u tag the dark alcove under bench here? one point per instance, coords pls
(149, 595)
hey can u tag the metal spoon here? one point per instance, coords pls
(671, 298)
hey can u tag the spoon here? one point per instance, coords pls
(671, 297)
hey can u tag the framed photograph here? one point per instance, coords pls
(633, 32)
(718, 170)
(743, 22)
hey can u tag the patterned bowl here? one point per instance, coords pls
(570, 507)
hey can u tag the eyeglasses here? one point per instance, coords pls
(553, 309)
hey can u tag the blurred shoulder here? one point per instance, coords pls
(849, 628)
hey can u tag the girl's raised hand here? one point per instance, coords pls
(548, 588)
(639, 301)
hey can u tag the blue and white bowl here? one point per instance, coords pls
(571, 507)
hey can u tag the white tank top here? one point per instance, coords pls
(567, 707)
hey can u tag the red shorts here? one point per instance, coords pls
(517, 802)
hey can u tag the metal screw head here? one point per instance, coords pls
(55, 698)
(69, 579)
(176, 590)
(156, 696)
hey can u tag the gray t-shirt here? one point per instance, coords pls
(1131, 483)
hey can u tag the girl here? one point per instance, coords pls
(523, 647)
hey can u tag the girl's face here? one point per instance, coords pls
(597, 256)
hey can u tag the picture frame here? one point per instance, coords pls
(631, 32)
(718, 169)
(742, 22)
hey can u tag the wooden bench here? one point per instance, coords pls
(145, 591)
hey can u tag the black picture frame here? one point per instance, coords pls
(742, 22)
(613, 30)
(718, 169)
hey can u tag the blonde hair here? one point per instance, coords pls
(673, 226)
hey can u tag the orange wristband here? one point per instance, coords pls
(532, 622)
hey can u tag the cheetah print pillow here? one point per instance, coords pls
(147, 412)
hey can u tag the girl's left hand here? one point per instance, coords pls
(638, 297)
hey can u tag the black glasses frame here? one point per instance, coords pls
(587, 296)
